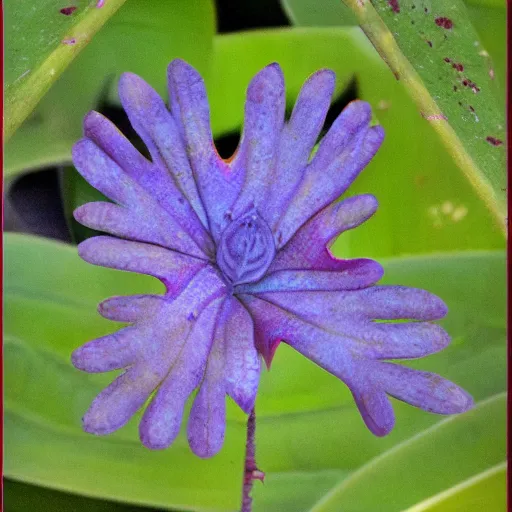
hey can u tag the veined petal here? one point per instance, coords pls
(326, 178)
(207, 421)
(141, 226)
(353, 277)
(264, 118)
(373, 303)
(130, 308)
(298, 137)
(425, 390)
(309, 247)
(162, 419)
(110, 179)
(111, 352)
(157, 128)
(190, 108)
(175, 270)
(243, 364)
(117, 403)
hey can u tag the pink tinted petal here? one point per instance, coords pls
(131, 308)
(264, 118)
(358, 276)
(162, 419)
(327, 349)
(242, 361)
(189, 104)
(117, 403)
(376, 410)
(175, 270)
(157, 128)
(207, 421)
(425, 390)
(110, 179)
(309, 246)
(111, 352)
(298, 137)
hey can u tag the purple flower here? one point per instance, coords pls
(242, 247)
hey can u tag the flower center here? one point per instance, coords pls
(246, 249)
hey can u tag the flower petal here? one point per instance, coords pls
(190, 108)
(425, 390)
(162, 419)
(243, 364)
(264, 118)
(130, 308)
(117, 403)
(360, 274)
(329, 309)
(207, 421)
(110, 179)
(111, 352)
(153, 122)
(175, 270)
(347, 151)
(308, 248)
(375, 409)
(298, 138)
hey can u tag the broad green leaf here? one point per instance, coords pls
(425, 203)
(21, 497)
(40, 42)
(326, 13)
(293, 491)
(434, 50)
(442, 456)
(485, 491)
(143, 38)
(301, 427)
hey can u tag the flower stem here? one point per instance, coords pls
(251, 471)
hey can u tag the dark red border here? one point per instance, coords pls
(2, 259)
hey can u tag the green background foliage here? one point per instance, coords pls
(432, 231)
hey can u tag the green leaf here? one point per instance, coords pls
(326, 13)
(21, 497)
(485, 491)
(307, 421)
(161, 29)
(426, 205)
(453, 450)
(434, 50)
(41, 42)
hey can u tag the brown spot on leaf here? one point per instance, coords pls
(68, 11)
(458, 66)
(455, 88)
(494, 141)
(394, 5)
(444, 22)
(429, 43)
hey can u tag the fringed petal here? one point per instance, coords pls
(110, 179)
(358, 275)
(243, 364)
(298, 138)
(153, 122)
(162, 419)
(257, 154)
(175, 270)
(309, 247)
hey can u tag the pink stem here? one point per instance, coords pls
(251, 471)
